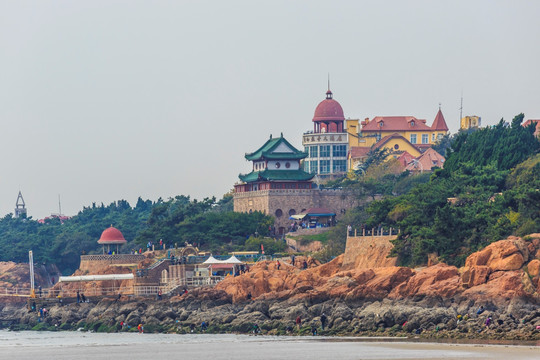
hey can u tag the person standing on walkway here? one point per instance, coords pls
(298, 322)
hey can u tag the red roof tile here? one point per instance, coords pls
(357, 152)
(396, 123)
(428, 160)
(439, 123)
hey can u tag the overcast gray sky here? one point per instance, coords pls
(108, 100)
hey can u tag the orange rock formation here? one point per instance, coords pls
(496, 273)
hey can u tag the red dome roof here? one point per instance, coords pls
(328, 109)
(112, 236)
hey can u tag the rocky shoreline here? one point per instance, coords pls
(429, 318)
(438, 301)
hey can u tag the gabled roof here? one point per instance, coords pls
(395, 123)
(405, 158)
(439, 123)
(276, 175)
(387, 138)
(268, 150)
(428, 160)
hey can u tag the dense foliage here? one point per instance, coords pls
(54, 242)
(484, 193)
(488, 189)
(209, 224)
(180, 220)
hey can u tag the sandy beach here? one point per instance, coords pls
(27, 345)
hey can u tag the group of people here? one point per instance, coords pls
(42, 311)
(80, 297)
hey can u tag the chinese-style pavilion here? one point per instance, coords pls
(276, 165)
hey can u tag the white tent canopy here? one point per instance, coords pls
(212, 260)
(232, 260)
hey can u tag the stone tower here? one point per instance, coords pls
(20, 207)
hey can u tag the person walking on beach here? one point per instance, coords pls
(140, 328)
(298, 322)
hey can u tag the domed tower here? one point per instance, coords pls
(111, 236)
(327, 144)
(328, 116)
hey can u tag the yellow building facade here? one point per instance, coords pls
(470, 122)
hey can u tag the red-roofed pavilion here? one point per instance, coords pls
(111, 236)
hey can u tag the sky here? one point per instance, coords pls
(109, 100)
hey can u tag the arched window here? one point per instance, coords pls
(292, 212)
(278, 213)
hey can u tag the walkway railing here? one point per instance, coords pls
(174, 284)
(54, 293)
(373, 232)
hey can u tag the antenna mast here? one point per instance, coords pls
(461, 108)
(59, 206)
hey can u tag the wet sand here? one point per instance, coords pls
(128, 346)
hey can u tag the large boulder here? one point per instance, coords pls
(534, 267)
(438, 280)
(503, 255)
(475, 275)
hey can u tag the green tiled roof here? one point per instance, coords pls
(267, 151)
(276, 175)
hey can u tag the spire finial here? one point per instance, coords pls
(439, 106)
(328, 92)
(328, 81)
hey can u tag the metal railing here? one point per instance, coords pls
(373, 232)
(171, 285)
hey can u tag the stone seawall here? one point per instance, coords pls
(365, 252)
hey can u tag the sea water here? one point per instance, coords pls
(75, 345)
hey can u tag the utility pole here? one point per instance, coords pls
(31, 264)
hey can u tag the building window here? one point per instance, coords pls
(413, 138)
(306, 166)
(433, 137)
(325, 166)
(278, 165)
(292, 212)
(339, 165)
(378, 137)
(425, 138)
(396, 147)
(314, 166)
(325, 151)
(287, 165)
(278, 213)
(412, 122)
(339, 150)
(313, 151)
